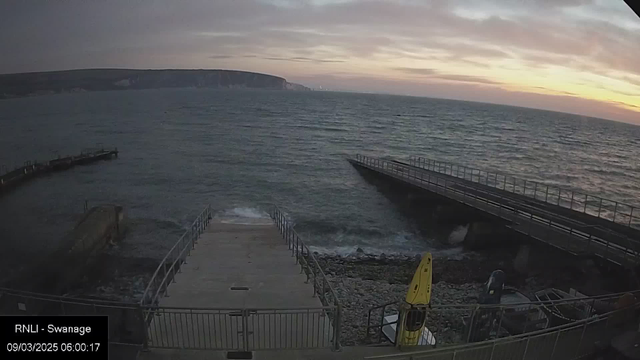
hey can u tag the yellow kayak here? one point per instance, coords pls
(419, 294)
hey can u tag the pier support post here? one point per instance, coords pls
(483, 234)
(521, 261)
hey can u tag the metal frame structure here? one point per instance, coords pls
(311, 268)
(610, 210)
(171, 263)
(571, 341)
(463, 324)
(561, 232)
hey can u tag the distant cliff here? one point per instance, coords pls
(41, 83)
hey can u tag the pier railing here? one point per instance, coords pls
(311, 268)
(611, 210)
(577, 237)
(33, 168)
(570, 341)
(240, 329)
(461, 324)
(170, 265)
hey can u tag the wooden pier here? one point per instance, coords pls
(33, 169)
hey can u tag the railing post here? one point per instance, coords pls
(571, 206)
(473, 316)
(630, 216)
(245, 329)
(315, 282)
(166, 286)
(535, 191)
(145, 335)
(546, 194)
(322, 293)
(615, 211)
(600, 207)
(337, 327)
(581, 338)
(555, 344)
(586, 201)
(526, 348)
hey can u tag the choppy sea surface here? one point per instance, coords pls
(239, 151)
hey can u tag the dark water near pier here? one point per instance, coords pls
(240, 150)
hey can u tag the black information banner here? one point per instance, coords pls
(46, 337)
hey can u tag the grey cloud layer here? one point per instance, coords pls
(75, 30)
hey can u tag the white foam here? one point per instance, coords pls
(251, 213)
(244, 216)
(458, 234)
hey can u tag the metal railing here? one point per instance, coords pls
(175, 258)
(310, 267)
(570, 341)
(244, 329)
(579, 238)
(146, 324)
(461, 324)
(614, 211)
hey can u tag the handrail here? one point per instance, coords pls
(533, 334)
(184, 245)
(503, 207)
(593, 305)
(310, 266)
(572, 198)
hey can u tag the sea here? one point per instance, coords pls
(242, 150)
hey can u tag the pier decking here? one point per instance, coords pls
(241, 288)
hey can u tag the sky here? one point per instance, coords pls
(577, 56)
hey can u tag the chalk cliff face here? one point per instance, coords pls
(297, 87)
(31, 84)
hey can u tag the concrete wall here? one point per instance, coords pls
(96, 229)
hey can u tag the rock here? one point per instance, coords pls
(363, 282)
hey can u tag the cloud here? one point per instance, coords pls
(417, 71)
(370, 37)
(434, 74)
(275, 58)
(303, 59)
(467, 78)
